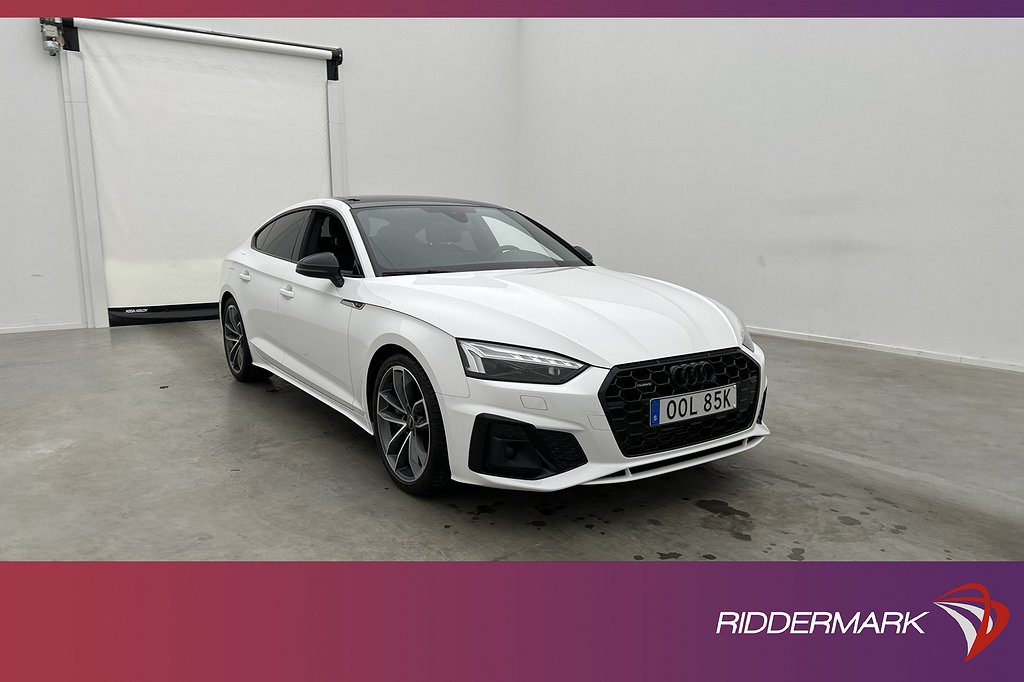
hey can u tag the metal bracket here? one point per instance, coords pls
(334, 63)
(59, 33)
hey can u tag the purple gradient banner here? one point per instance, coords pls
(494, 622)
(519, 8)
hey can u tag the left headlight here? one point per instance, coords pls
(512, 363)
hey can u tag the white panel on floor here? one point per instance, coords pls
(195, 145)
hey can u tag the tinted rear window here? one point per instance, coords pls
(280, 237)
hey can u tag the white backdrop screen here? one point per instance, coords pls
(194, 147)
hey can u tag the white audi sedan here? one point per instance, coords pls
(476, 345)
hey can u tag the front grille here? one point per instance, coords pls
(628, 390)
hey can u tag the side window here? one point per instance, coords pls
(279, 238)
(328, 233)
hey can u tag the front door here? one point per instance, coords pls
(315, 316)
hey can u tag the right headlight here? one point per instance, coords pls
(513, 363)
(745, 338)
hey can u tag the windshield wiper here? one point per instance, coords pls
(415, 271)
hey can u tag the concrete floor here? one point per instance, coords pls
(135, 443)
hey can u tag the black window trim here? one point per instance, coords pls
(557, 237)
(308, 234)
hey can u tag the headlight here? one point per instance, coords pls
(512, 363)
(748, 342)
(738, 327)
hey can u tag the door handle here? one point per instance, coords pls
(287, 292)
(244, 276)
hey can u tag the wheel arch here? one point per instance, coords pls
(226, 292)
(383, 332)
(380, 356)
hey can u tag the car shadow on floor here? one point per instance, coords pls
(658, 503)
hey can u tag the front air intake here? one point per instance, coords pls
(515, 449)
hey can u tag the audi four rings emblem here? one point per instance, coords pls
(692, 373)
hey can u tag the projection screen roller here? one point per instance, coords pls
(195, 146)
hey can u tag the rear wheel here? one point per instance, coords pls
(236, 345)
(409, 432)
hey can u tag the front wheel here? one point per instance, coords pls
(408, 427)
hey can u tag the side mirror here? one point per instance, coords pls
(323, 266)
(586, 254)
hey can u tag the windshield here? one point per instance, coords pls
(404, 240)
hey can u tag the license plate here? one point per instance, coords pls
(679, 408)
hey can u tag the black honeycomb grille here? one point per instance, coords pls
(562, 449)
(627, 392)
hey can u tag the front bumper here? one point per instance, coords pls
(574, 408)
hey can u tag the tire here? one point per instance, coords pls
(236, 345)
(408, 428)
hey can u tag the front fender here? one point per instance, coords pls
(373, 327)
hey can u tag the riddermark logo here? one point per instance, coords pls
(962, 603)
(992, 616)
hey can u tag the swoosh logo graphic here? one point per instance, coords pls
(969, 603)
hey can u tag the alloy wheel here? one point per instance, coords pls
(234, 339)
(403, 426)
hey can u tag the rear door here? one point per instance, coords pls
(261, 285)
(315, 315)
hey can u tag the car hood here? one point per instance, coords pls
(595, 315)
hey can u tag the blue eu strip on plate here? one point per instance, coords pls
(655, 411)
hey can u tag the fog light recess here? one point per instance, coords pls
(514, 449)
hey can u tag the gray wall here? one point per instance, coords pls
(39, 264)
(852, 179)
